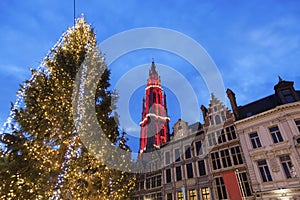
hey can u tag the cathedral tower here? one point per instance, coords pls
(155, 121)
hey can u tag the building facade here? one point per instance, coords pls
(269, 132)
(224, 153)
(251, 152)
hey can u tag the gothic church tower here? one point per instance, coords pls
(155, 121)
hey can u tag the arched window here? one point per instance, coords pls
(154, 97)
(218, 119)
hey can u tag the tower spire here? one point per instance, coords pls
(155, 121)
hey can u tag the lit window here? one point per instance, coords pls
(192, 195)
(189, 170)
(255, 141)
(205, 193)
(288, 166)
(201, 166)
(264, 171)
(276, 135)
(179, 195)
(221, 189)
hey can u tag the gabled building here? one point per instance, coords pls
(269, 132)
(228, 169)
(186, 172)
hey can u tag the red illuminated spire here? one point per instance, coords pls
(155, 121)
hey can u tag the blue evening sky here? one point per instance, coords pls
(251, 43)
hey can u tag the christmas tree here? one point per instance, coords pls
(44, 156)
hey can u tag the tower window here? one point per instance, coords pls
(154, 97)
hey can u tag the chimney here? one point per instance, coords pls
(204, 113)
(232, 99)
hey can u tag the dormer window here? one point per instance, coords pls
(288, 96)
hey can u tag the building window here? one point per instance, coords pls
(221, 136)
(141, 185)
(169, 196)
(211, 119)
(221, 189)
(178, 173)
(168, 175)
(177, 155)
(211, 139)
(199, 148)
(153, 182)
(167, 157)
(226, 161)
(223, 116)
(154, 97)
(148, 183)
(288, 166)
(205, 193)
(192, 195)
(201, 166)
(245, 184)
(255, 141)
(179, 195)
(288, 96)
(216, 160)
(215, 108)
(189, 170)
(218, 119)
(264, 171)
(236, 155)
(276, 135)
(158, 181)
(298, 124)
(187, 152)
(230, 132)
